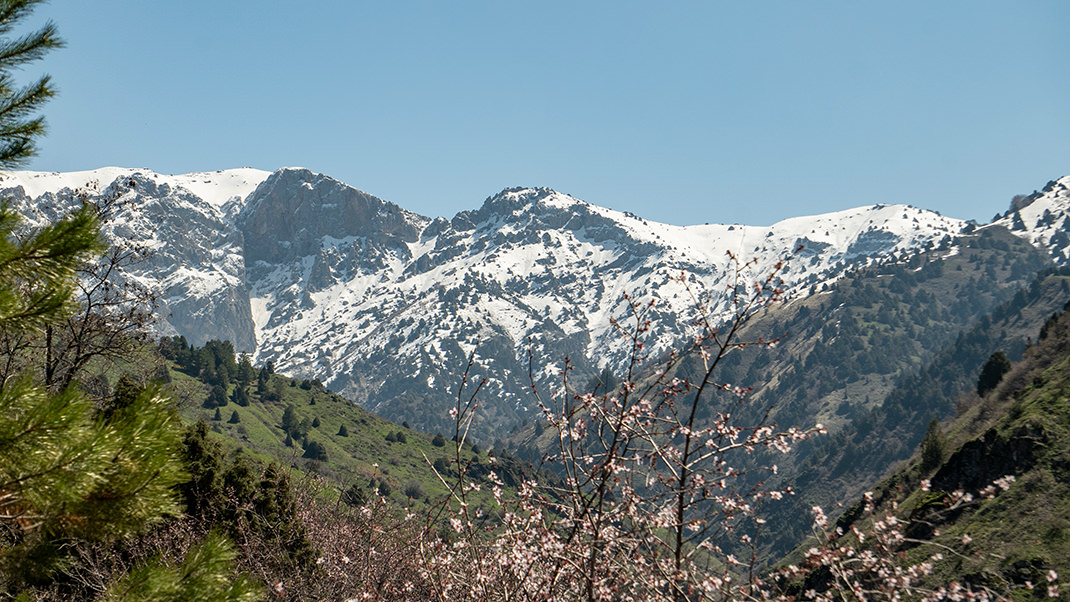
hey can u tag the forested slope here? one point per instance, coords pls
(1009, 535)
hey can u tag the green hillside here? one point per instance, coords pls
(300, 423)
(1005, 541)
(841, 465)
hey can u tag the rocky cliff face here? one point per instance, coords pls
(195, 262)
(295, 213)
(306, 233)
(387, 306)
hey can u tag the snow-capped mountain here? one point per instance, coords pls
(386, 306)
(1043, 218)
(196, 263)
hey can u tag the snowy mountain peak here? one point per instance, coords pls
(517, 206)
(1043, 218)
(519, 199)
(386, 305)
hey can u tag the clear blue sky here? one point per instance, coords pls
(682, 112)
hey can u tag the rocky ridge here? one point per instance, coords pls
(386, 306)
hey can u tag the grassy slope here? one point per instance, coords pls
(363, 455)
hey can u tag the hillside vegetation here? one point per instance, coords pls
(850, 460)
(300, 423)
(1012, 538)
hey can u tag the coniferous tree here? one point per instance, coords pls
(316, 451)
(262, 383)
(302, 428)
(274, 391)
(992, 372)
(126, 391)
(240, 396)
(246, 374)
(933, 446)
(68, 472)
(189, 580)
(241, 498)
(1016, 221)
(19, 129)
(289, 419)
(218, 396)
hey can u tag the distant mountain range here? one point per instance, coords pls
(386, 306)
